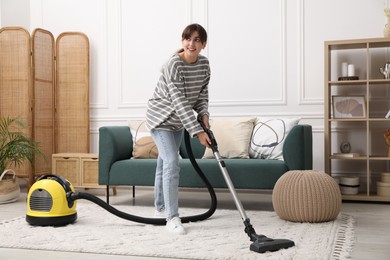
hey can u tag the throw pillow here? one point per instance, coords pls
(268, 137)
(232, 136)
(143, 144)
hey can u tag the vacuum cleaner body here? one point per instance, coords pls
(47, 202)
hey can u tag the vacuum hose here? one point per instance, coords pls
(72, 196)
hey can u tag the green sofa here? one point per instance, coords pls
(116, 167)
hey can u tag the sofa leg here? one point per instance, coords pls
(133, 192)
(108, 194)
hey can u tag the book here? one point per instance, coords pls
(346, 155)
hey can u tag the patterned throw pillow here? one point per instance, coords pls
(268, 137)
(143, 144)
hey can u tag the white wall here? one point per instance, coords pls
(266, 55)
(15, 13)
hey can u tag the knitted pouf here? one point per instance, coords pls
(306, 196)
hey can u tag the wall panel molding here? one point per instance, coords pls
(303, 98)
(102, 102)
(198, 11)
(278, 101)
(180, 18)
(301, 51)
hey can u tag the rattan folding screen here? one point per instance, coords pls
(43, 82)
(72, 93)
(15, 81)
(48, 88)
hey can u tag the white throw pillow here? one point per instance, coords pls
(232, 136)
(143, 144)
(268, 137)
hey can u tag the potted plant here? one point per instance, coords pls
(15, 148)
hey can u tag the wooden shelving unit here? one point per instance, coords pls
(365, 134)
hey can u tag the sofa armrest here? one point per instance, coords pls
(298, 148)
(115, 143)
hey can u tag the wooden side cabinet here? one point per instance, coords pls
(80, 169)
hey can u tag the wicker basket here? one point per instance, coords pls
(9, 187)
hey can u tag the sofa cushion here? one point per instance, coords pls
(196, 147)
(143, 144)
(232, 136)
(268, 137)
(244, 173)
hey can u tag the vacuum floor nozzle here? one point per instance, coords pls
(267, 244)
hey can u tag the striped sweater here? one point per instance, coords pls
(182, 89)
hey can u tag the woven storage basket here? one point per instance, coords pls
(306, 196)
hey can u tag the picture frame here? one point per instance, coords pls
(349, 106)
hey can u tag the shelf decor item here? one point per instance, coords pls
(385, 177)
(345, 147)
(348, 78)
(346, 155)
(349, 185)
(349, 106)
(383, 186)
(388, 114)
(386, 31)
(347, 72)
(385, 70)
(386, 136)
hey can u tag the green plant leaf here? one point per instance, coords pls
(15, 147)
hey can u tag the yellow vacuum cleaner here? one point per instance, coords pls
(48, 203)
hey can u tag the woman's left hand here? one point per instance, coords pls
(204, 139)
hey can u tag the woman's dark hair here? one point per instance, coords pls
(194, 28)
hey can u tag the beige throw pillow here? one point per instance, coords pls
(143, 144)
(232, 135)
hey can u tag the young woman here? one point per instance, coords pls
(182, 89)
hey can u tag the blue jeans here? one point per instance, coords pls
(166, 184)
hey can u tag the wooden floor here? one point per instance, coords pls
(372, 220)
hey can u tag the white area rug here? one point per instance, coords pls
(220, 237)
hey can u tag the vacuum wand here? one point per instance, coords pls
(260, 243)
